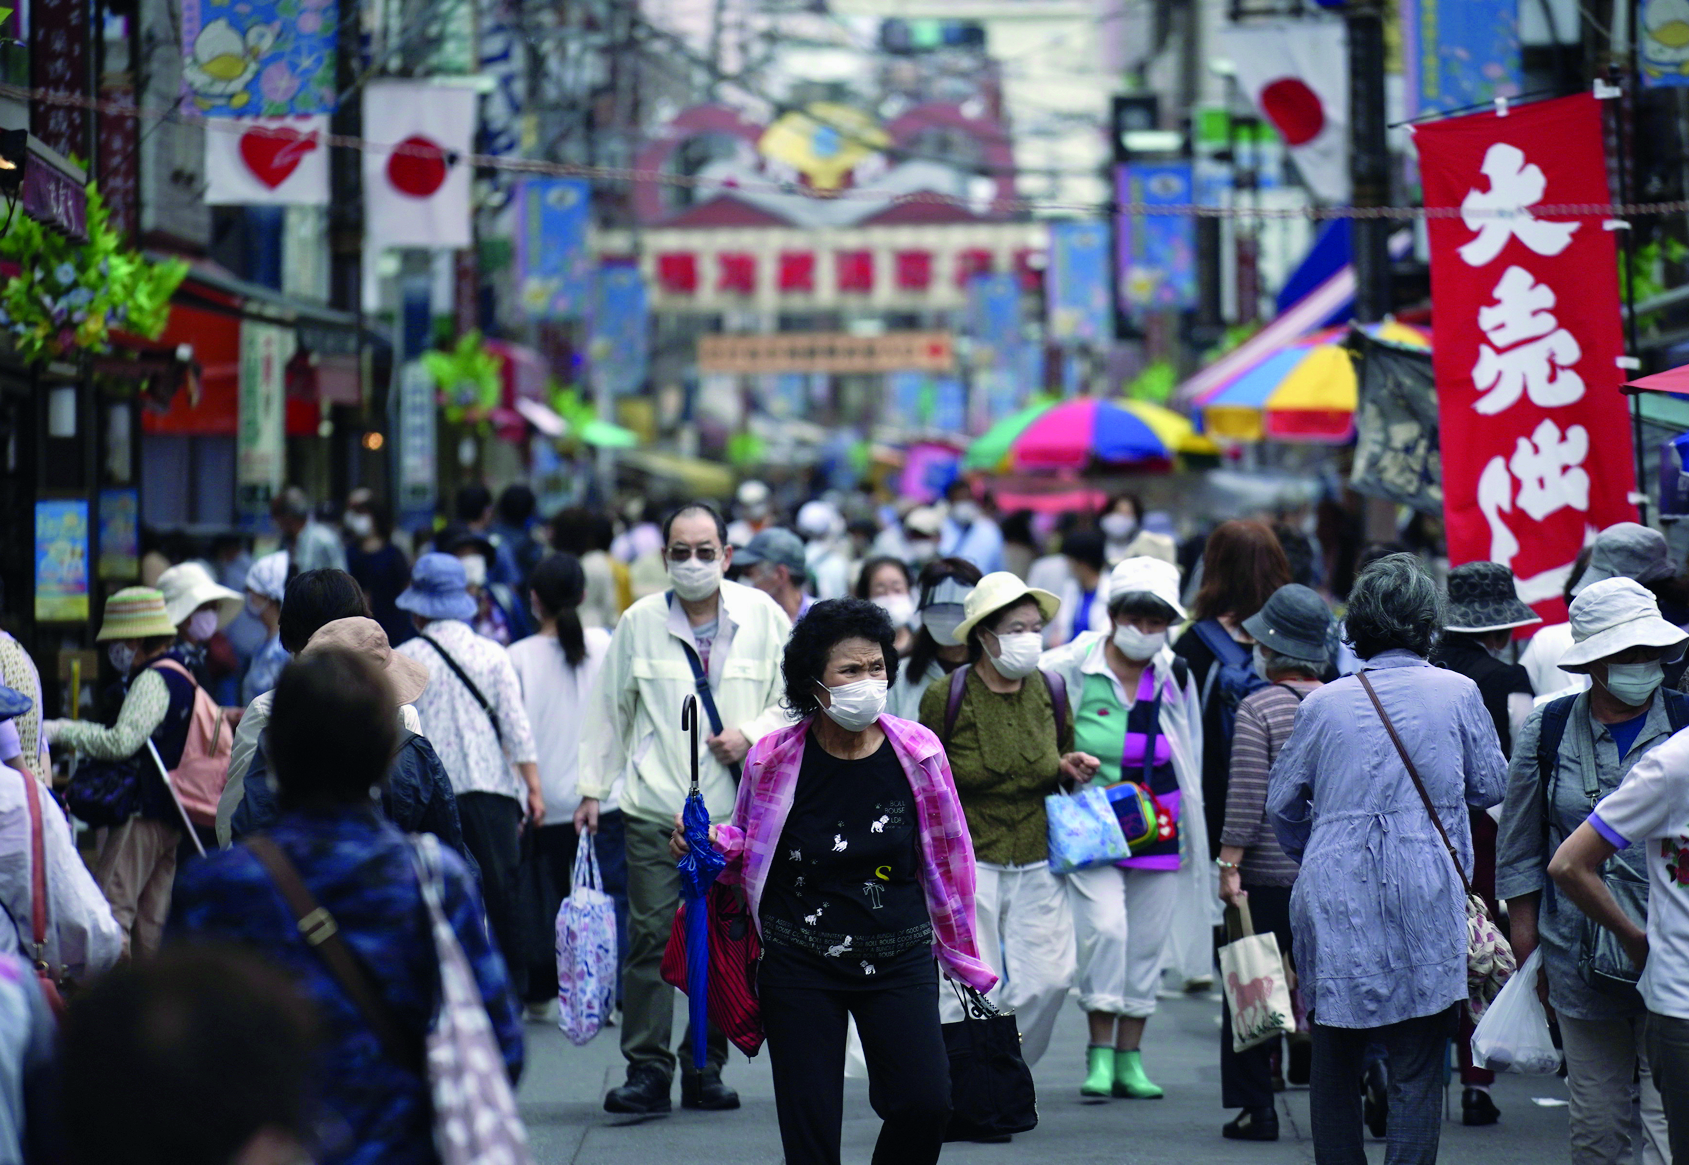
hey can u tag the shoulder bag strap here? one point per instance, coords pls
(953, 702)
(1424, 796)
(468, 683)
(706, 697)
(1058, 699)
(1226, 650)
(1677, 709)
(37, 872)
(1297, 692)
(322, 934)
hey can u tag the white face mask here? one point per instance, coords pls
(122, 657)
(940, 620)
(1634, 683)
(1260, 662)
(855, 706)
(965, 513)
(360, 525)
(474, 570)
(1135, 645)
(695, 581)
(202, 626)
(900, 609)
(256, 604)
(1118, 527)
(1017, 654)
(922, 551)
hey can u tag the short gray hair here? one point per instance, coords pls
(1394, 605)
(1277, 662)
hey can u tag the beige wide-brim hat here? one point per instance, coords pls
(997, 590)
(366, 637)
(188, 586)
(1615, 615)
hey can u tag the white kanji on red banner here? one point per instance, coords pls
(1532, 353)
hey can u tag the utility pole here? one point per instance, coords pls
(1369, 159)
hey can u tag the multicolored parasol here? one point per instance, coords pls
(1303, 392)
(1077, 432)
(991, 451)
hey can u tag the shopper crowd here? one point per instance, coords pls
(369, 760)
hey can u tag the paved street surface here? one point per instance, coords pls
(562, 1095)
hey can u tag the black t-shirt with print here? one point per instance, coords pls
(844, 905)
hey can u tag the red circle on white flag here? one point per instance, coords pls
(417, 167)
(1295, 110)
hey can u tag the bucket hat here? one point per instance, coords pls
(438, 589)
(928, 520)
(1149, 576)
(366, 638)
(1294, 621)
(268, 576)
(135, 613)
(997, 590)
(1482, 597)
(1615, 615)
(188, 586)
(1626, 550)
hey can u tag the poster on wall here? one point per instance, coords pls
(120, 534)
(61, 562)
(1536, 440)
(260, 451)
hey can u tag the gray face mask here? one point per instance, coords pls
(1633, 684)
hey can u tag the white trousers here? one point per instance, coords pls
(1025, 934)
(1603, 1058)
(1120, 924)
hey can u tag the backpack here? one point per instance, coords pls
(959, 678)
(200, 775)
(1231, 677)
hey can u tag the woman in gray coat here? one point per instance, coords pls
(1379, 913)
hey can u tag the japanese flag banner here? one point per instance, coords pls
(1297, 74)
(416, 169)
(1536, 440)
(271, 161)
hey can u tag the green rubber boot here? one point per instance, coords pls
(1099, 1078)
(1129, 1078)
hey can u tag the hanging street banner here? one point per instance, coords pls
(259, 58)
(1077, 286)
(416, 182)
(1155, 253)
(1458, 53)
(1662, 43)
(553, 265)
(1536, 443)
(260, 445)
(269, 162)
(620, 317)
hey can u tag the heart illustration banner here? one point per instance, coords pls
(281, 161)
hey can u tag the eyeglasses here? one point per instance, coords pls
(704, 553)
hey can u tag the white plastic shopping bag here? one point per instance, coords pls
(586, 950)
(1253, 977)
(1513, 1036)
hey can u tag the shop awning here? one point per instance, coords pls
(1673, 380)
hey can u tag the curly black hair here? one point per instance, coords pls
(825, 626)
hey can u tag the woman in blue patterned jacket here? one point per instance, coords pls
(331, 732)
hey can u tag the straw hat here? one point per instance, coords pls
(135, 613)
(995, 591)
(188, 586)
(366, 638)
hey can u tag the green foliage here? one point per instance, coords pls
(1154, 384)
(583, 421)
(1651, 263)
(70, 296)
(468, 377)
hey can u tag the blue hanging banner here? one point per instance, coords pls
(1077, 287)
(620, 317)
(1155, 253)
(994, 320)
(1662, 43)
(553, 265)
(1458, 53)
(259, 58)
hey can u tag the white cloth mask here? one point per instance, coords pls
(202, 626)
(1017, 654)
(122, 657)
(900, 609)
(1135, 645)
(1634, 683)
(855, 706)
(941, 621)
(1118, 527)
(1260, 661)
(695, 581)
(360, 525)
(474, 570)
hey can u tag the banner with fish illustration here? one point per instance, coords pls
(259, 58)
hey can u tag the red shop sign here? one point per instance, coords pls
(1536, 440)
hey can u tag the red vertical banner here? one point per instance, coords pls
(1536, 440)
(58, 62)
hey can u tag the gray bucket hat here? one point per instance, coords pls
(1482, 598)
(1627, 550)
(1295, 621)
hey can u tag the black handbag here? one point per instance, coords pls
(991, 1090)
(104, 793)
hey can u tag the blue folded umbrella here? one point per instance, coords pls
(698, 869)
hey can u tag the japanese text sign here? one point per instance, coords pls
(1535, 435)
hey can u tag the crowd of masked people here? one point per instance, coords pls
(334, 796)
